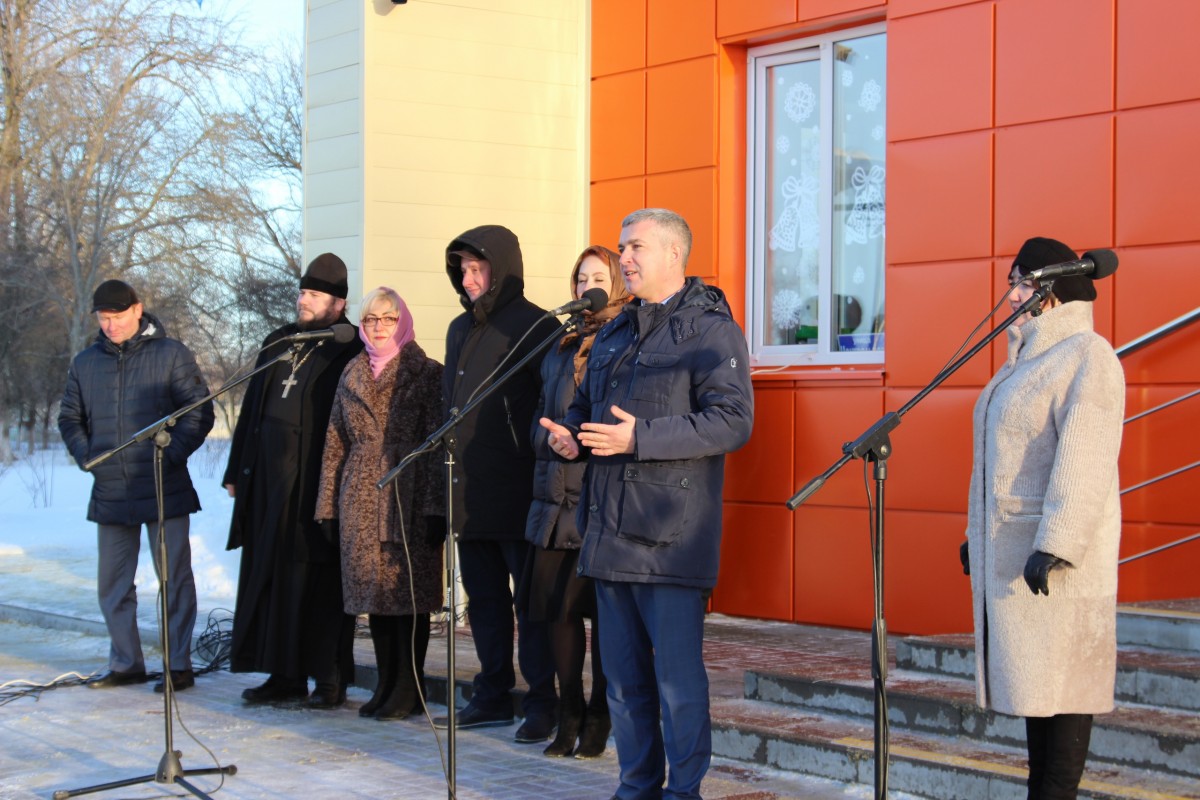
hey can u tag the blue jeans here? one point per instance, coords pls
(652, 637)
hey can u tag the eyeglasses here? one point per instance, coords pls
(387, 322)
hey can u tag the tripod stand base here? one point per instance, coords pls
(170, 771)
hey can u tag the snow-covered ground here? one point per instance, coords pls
(48, 548)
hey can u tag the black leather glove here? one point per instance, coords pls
(435, 530)
(964, 555)
(1037, 571)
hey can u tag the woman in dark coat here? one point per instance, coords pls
(553, 591)
(388, 401)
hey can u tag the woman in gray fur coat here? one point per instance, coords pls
(1044, 524)
(388, 401)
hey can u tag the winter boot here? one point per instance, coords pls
(399, 702)
(570, 718)
(383, 637)
(596, 727)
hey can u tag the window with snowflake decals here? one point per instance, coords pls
(816, 179)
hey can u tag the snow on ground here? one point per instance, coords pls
(48, 548)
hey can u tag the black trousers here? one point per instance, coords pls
(1058, 748)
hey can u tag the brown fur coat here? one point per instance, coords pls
(374, 424)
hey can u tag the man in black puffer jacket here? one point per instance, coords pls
(129, 378)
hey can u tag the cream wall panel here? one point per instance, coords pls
(405, 151)
(333, 188)
(328, 20)
(335, 52)
(337, 152)
(334, 221)
(338, 119)
(333, 87)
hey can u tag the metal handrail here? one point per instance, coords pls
(1159, 333)
(1155, 335)
(1158, 549)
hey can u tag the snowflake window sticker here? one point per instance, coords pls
(871, 96)
(847, 77)
(786, 308)
(782, 144)
(800, 102)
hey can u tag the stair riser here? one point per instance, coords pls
(855, 765)
(1134, 685)
(946, 718)
(1168, 633)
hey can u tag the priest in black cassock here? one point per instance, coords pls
(289, 620)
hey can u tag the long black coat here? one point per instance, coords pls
(493, 469)
(114, 391)
(328, 361)
(556, 483)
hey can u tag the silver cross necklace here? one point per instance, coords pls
(291, 381)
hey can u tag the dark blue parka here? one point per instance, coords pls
(114, 391)
(681, 368)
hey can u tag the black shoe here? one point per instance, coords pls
(593, 739)
(327, 695)
(474, 717)
(113, 678)
(180, 679)
(536, 728)
(276, 690)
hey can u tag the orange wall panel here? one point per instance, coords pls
(936, 305)
(1058, 177)
(931, 461)
(1156, 285)
(809, 12)
(1154, 445)
(832, 558)
(1053, 60)
(904, 8)
(1157, 57)
(939, 198)
(1162, 576)
(611, 201)
(1157, 175)
(618, 126)
(756, 562)
(618, 36)
(939, 73)
(762, 470)
(737, 17)
(694, 195)
(827, 418)
(681, 115)
(925, 590)
(680, 29)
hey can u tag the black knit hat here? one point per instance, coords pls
(1041, 252)
(326, 273)
(113, 295)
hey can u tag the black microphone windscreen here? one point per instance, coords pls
(1105, 261)
(598, 296)
(343, 333)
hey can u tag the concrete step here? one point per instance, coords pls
(1137, 736)
(920, 763)
(1162, 624)
(1146, 675)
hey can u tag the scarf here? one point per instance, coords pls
(381, 356)
(592, 322)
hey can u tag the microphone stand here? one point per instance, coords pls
(170, 770)
(442, 436)
(874, 445)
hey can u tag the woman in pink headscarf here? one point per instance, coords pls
(387, 403)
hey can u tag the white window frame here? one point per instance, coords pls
(759, 59)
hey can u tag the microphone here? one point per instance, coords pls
(1096, 263)
(340, 333)
(592, 300)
